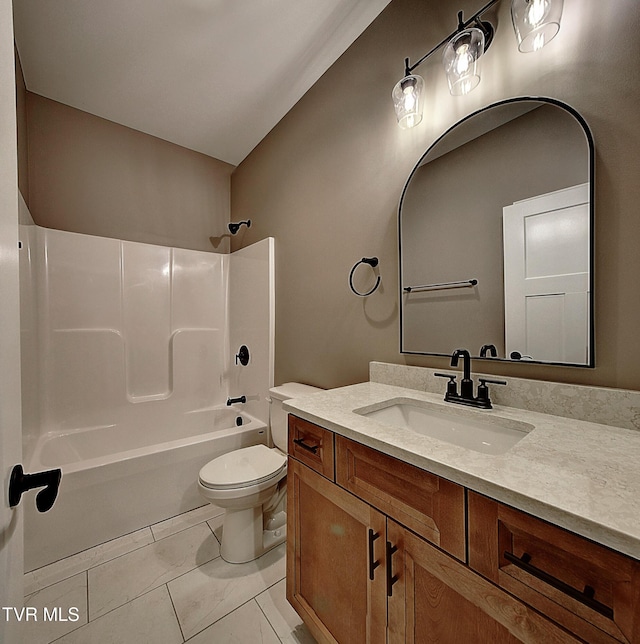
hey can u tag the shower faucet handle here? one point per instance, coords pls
(243, 355)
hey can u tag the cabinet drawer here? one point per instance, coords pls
(587, 588)
(431, 506)
(311, 445)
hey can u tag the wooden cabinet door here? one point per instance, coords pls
(335, 560)
(436, 599)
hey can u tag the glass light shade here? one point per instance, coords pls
(408, 98)
(461, 60)
(535, 22)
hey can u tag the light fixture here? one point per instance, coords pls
(535, 22)
(461, 58)
(407, 99)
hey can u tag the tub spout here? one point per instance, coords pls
(231, 401)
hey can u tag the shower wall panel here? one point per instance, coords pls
(122, 324)
(120, 332)
(146, 319)
(80, 315)
(252, 323)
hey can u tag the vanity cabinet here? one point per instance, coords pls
(377, 551)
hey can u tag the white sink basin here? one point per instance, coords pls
(491, 435)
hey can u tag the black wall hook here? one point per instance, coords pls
(373, 262)
(21, 482)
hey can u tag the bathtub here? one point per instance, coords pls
(117, 479)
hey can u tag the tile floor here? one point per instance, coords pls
(164, 584)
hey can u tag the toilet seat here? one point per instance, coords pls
(243, 468)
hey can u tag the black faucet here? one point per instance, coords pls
(231, 401)
(490, 349)
(466, 386)
(466, 397)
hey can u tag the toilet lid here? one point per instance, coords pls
(243, 467)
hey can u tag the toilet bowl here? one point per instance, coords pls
(250, 484)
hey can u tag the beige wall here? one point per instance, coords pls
(327, 180)
(89, 175)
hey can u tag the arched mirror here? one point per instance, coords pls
(496, 238)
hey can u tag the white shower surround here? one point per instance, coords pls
(128, 359)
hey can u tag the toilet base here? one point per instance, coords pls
(248, 538)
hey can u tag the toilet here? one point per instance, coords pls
(250, 484)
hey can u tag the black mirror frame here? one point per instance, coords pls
(591, 151)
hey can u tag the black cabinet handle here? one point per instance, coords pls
(585, 597)
(391, 578)
(372, 564)
(21, 482)
(310, 448)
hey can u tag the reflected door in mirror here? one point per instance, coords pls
(546, 277)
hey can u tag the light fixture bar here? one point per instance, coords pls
(462, 25)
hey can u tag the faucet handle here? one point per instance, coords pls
(483, 390)
(243, 355)
(452, 389)
(492, 382)
(446, 375)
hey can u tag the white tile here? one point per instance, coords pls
(284, 620)
(149, 618)
(245, 625)
(121, 580)
(208, 593)
(47, 575)
(186, 520)
(60, 608)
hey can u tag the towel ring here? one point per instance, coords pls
(373, 262)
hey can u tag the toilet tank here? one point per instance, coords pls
(278, 416)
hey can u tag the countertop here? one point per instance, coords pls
(582, 476)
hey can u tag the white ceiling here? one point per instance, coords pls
(211, 75)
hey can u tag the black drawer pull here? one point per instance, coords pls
(372, 564)
(391, 578)
(310, 448)
(585, 597)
